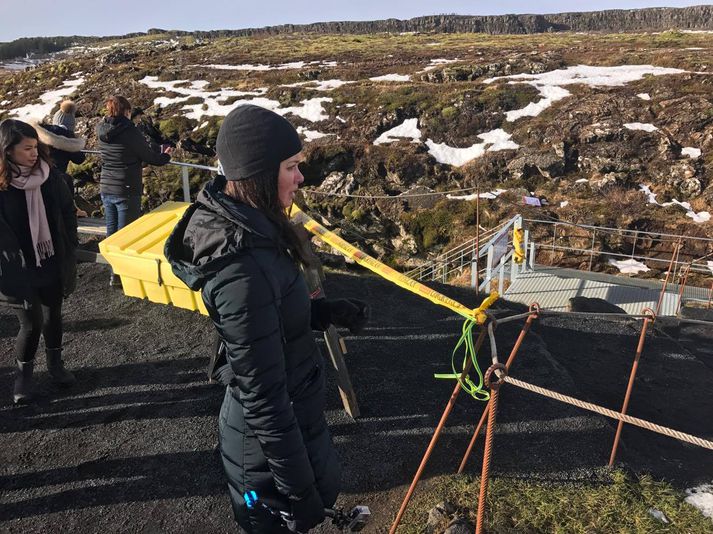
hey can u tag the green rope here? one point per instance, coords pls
(466, 340)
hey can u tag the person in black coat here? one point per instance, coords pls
(124, 151)
(38, 241)
(237, 246)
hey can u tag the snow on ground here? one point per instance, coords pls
(317, 85)
(48, 101)
(493, 141)
(490, 195)
(701, 497)
(691, 152)
(214, 101)
(550, 83)
(550, 95)
(644, 96)
(700, 217)
(408, 129)
(261, 67)
(438, 62)
(311, 135)
(582, 181)
(564, 203)
(391, 78)
(646, 127)
(630, 266)
(709, 263)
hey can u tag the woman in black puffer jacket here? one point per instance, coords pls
(236, 245)
(38, 241)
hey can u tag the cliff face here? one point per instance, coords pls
(653, 19)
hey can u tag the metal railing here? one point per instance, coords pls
(185, 178)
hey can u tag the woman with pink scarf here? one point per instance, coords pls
(38, 241)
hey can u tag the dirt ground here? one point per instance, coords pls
(131, 448)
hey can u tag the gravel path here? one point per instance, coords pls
(132, 447)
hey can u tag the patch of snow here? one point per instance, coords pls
(709, 263)
(550, 83)
(408, 129)
(489, 195)
(582, 181)
(5, 102)
(564, 203)
(550, 95)
(630, 266)
(691, 152)
(702, 498)
(310, 109)
(343, 121)
(391, 78)
(493, 141)
(261, 67)
(694, 48)
(349, 105)
(700, 217)
(48, 101)
(438, 62)
(311, 135)
(646, 127)
(644, 96)
(324, 85)
(201, 125)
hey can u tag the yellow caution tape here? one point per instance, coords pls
(387, 272)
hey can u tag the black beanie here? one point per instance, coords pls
(253, 141)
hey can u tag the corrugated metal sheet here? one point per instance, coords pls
(552, 289)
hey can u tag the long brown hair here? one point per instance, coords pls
(117, 106)
(12, 132)
(260, 192)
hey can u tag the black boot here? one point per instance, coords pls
(24, 391)
(55, 367)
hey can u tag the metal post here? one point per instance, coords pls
(633, 248)
(436, 435)
(554, 236)
(186, 185)
(501, 275)
(532, 256)
(632, 377)
(710, 296)
(591, 250)
(489, 264)
(525, 246)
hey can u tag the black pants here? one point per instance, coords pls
(44, 317)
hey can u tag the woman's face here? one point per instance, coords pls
(24, 153)
(289, 179)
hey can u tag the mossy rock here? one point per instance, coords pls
(176, 127)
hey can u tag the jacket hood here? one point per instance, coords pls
(111, 127)
(212, 231)
(50, 138)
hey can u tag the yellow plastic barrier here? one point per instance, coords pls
(135, 253)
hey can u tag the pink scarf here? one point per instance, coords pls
(30, 180)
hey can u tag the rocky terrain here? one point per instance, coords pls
(583, 120)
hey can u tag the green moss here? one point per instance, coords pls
(174, 127)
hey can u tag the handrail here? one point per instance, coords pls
(620, 230)
(184, 172)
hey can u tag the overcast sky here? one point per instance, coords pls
(31, 18)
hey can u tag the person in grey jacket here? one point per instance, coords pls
(237, 246)
(124, 151)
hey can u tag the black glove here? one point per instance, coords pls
(307, 511)
(349, 313)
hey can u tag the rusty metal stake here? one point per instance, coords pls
(525, 329)
(674, 258)
(632, 377)
(436, 435)
(489, 438)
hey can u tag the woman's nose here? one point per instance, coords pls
(300, 176)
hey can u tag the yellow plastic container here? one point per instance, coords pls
(135, 253)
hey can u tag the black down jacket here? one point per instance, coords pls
(123, 151)
(274, 436)
(18, 270)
